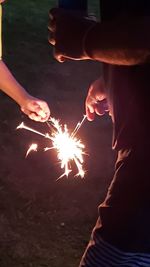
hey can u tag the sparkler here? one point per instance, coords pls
(69, 148)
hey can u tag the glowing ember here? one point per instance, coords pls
(68, 147)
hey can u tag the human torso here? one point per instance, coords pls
(127, 86)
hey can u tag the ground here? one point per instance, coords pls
(44, 222)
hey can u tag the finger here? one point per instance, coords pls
(43, 115)
(47, 115)
(51, 38)
(90, 116)
(34, 117)
(101, 107)
(90, 104)
(59, 57)
(44, 119)
(105, 104)
(99, 111)
(35, 107)
(43, 110)
(52, 25)
(50, 14)
(90, 113)
(30, 114)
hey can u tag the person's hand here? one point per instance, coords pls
(96, 102)
(36, 109)
(67, 32)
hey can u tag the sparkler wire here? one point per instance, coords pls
(23, 126)
(78, 126)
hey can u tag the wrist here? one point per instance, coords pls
(22, 97)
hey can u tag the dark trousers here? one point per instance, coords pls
(124, 216)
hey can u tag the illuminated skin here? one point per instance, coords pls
(81, 38)
(34, 108)
(96, 102)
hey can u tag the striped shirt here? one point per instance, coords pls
(101, 254)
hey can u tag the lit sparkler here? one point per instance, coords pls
(68, 147)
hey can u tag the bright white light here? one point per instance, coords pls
(69, 148)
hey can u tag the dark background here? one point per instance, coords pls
(44, 222)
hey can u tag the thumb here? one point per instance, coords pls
(58, 56)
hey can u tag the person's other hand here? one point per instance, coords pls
(67, 32)
(96, 102)
(36, 109)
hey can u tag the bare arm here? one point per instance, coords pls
(122, 42)
(10, 86)
(36, 109)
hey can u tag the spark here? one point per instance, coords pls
(69, 148)
(33, 147)
(23, 126)
(78, 126)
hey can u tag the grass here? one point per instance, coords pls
(27, 20)
(25, 24)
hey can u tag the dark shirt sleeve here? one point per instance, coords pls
(124, 41)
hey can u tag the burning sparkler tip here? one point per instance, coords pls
(68, 147)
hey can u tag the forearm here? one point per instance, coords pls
(10, 86)
(122, 42)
